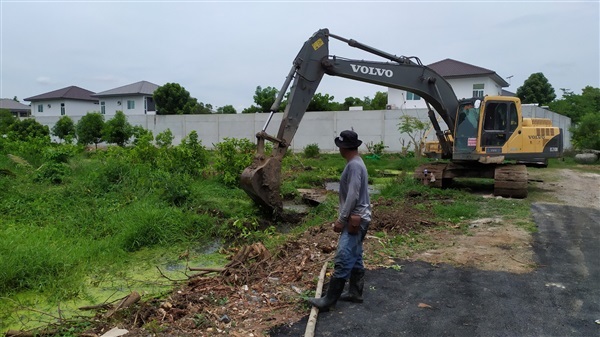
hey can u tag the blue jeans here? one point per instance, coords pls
(349, 253)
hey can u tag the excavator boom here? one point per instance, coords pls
(261, 180)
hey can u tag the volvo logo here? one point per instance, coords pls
(371, 70)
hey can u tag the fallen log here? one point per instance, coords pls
(104, 306)
(314, 312)
(207, 269)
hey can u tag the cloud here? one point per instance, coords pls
(44, 80)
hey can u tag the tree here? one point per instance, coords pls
(536, 89)
(64, 129)
(264, 98)
(227, 109)
(26, 129)
(350, 102)
(415, 129)
(252, 109)
(576, 106)
(320, 102)
(586, 134)
(117, 130)
(584, 111)
(89, 129)
(379, 102)
(6, 120)
(173, 99)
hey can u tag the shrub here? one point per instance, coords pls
(232, 156)
(311, 150)
(52, 172)
(117, 130)
(191, 156)
(165, 138)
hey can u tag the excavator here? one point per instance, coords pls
(487, 137)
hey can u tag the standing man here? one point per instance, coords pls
(354, 217)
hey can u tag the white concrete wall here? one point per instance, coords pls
(316, 127)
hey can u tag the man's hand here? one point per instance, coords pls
(338, 227)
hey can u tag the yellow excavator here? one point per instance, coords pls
(487, 137)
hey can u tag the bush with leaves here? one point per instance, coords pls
(586, 134)
(6, 120)
(232, 156)
(312, 150)
(52, 172)
(415, 129)
(64, 129)
(165, 138)
(190, 156)
(139, 133)
(117, 130)
(27, 129)
(89, 129)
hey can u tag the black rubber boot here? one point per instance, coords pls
(355, 288)
(336, 286)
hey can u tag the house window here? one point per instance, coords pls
(478, 90)
(62, 109)
(412, 97)
(103, 108)
(130, 105)
(40, 108)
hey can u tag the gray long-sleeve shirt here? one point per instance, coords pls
(354, 191)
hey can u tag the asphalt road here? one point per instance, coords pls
(560, 298)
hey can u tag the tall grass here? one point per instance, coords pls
(55, 232)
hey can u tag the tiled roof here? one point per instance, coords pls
(72, 92)
(508, 93)
(12, 105)
(450, 68)
(138, 88)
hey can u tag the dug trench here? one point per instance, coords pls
(261, 292)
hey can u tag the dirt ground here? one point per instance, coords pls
(260, 290)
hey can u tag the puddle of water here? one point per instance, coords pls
(30, 309)
(298, 208)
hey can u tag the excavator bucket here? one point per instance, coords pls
(261, 181)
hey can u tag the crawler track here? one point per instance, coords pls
(510, 181)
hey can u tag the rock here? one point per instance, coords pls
(225, 319)
(586, 158)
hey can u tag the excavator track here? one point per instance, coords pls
(435, 173)
(510, 181)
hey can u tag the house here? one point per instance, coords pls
(466, 79)
(132, 99)
(66, 101)
(17, 108)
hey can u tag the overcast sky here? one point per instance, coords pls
(220, 51)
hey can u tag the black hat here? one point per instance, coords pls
(348, 139)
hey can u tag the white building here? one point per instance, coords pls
(70, 101)
(133, 99)
(17, 108)
(466, 80)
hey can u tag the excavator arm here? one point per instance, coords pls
(261, 180)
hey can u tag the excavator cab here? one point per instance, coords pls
(500, 120)
(467, 126)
